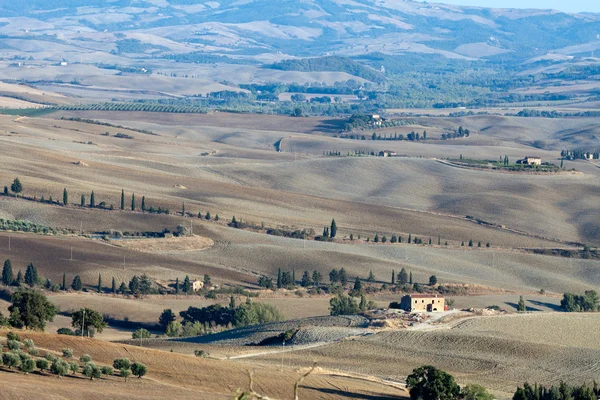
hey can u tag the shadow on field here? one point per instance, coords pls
(330, 125)
(516, 306)
(348, 395)
(120, 323)
(553, 307)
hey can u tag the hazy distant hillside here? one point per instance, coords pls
(309, 28)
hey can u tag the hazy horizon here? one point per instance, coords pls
(574, 6)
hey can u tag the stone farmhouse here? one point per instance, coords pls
(423, 302)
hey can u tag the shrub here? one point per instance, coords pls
(42, 364)
(139, 369)
(107, 370)
(13, 345)
(86, 358)
(65, 331)
(121, 363)
(343, 305)
(430, 383)
(50, 357)
(201, 353)
(141, 334)
(67, 353)
(13, 336)
(34, 352)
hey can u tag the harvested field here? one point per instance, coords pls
(166, 245)
(498, 352)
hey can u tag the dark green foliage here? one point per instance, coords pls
(176, 285)
(475, 392)
(343, 305)
(121, 363)
(59, 367)
(256, 313)
(334, 276)
(92, 200)
(330, 63)
(113, 286)
(187, 286)
(65, 197)
(410, 279)
(357, 285)
(122, 288)
(122, 199)
(133, 202)
(139, 369)
(305, 282)
(279, 283)
(82, 202)
(143, 203)
(16, 187)
(371, 277)
(589, 302)
(65, 331)
(134, 284)
(31, 310)
(402, 277)
(433, 280)
(141, 333)
(165, 318)
(92, 371)
(521, 307)
(76, 284)
(27, 365)
(7, 273)
(11, 360)
(333, 229)
(430, 383)
(563, 391)
(88, 321)
(316, 278)
(393, 277)
(19, 279)
(31, 275)
(265, 282)
(42, 364)
(99, 287)
(343, 276)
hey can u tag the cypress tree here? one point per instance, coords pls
(409, 238)
(64, 282)
(187, 286)
(82, 203)
(8, 276)
(65, 197)
(410, 279)
(114, 286)
(279, 278)
(183, 209)
(402, 277)
(92, 200)
(99, 283)
(133, 202)
(333, 230)
(232, 302)
(77, 285)
(31, 275)
(143, 203)
(294, 277)
(393, 277)
(122, 199)
(19, 280)
(176, 285)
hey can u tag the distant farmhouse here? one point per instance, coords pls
(197, 285)
(423, 302)
(387, 153)
(530, 161)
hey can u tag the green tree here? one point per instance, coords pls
(432, 280)
(316, 278)
(133, 202)
(124, 373)
(187, 286)
(166, 317)
(8, 276)
(279, 278)
(31, 310)
(475, 392)
(59, 367)
(92, 200)
(16, 187)
(334, 276)
(363, 303)
(65, 197)
(430, 383)
(470, 243)
(402, 277)
(88, 321)
(123, 288)
(231, 302)
(357, 285)
(521, 307)
(343, 305)
(207, 216)
(305, 282)
(121, 363)
(99, 288)
(143, 203)
(141, 333)
(333, 229)
(64, 282)
(393, 277)
(19, 279)
(92, 371)
(27, 365)
(11, 360)
(42, 364)
(207, 281)
(77, 285)
(371, 277)
(31, 275)
(410, 278)
(82, 202)
(343, 276)
(173, 329)
(139, 369)
(122, 199)
(114, 286)
(176, 285)
(134, 284)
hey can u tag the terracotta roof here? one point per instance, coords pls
(426, 296)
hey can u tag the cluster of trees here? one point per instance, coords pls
(31, 277)
(25, 226)
(199, 321)
(429, 383)
(579, 154)
(588, 302)
(456, 134)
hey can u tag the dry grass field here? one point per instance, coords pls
(498, 352)
(172, 374)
